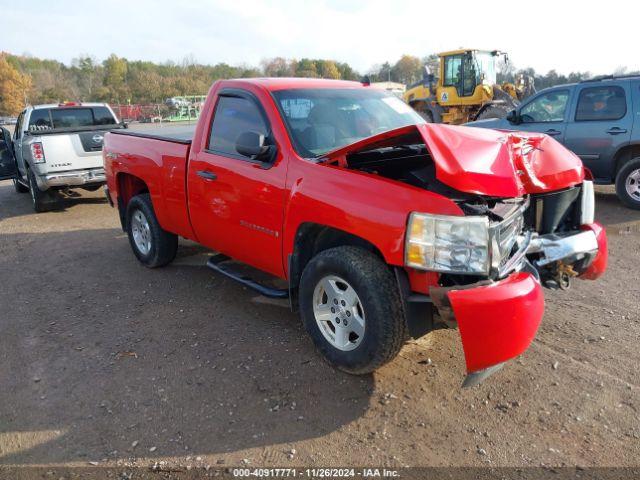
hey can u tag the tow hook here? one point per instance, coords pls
(562, 277)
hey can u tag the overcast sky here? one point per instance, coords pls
(560, 34)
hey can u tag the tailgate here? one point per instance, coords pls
(71, 151)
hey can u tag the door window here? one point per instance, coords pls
(549, 107)
(234, 116)
(453, 71)
(601, 103)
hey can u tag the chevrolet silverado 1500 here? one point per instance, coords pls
(383, 226)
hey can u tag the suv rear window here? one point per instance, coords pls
(69, 117)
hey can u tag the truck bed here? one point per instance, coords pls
(159, 156)
(173, 133)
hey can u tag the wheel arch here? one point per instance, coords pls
(622, 156)
(128, 187)
(313, 238)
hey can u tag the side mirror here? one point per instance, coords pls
(513, 117)
(251, 144)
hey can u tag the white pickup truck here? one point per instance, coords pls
(56, 147)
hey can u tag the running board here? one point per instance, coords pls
(216, 263)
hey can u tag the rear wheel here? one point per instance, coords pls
(494, 111)
(153, 246)
(41, 201)
(350, 306)
(628, 183)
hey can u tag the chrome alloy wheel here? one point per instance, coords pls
(338, 313)
(632, 184)
(141, 232)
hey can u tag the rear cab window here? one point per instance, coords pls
(605, 102)
(43, 119)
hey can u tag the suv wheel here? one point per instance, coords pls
(41, 201)
(153, 246)
(628, 183)
(350, 306)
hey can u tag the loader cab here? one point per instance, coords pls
(465, 76)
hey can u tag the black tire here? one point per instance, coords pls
(426, 115)
(629, 172)
(163, 245)
(19, 188)
(41, 201)
(494, 111)
(375, 285)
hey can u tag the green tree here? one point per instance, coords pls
(306, 68)
(115, 77)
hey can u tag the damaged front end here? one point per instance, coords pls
(527, 221)
(547, 240)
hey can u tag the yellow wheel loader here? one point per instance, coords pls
(465, 89)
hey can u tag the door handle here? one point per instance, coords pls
(553, 132)
(616, 131)
(207, 175)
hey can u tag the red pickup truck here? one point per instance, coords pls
(382, 226)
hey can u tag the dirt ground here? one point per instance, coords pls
(104, 362)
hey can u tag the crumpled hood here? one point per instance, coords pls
(488, 162)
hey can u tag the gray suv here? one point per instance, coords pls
(596, 119)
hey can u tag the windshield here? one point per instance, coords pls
(321, 120)
(66, 117)
(487, 65)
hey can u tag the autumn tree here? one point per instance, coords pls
(327, 69)
(407, 70)
(14, 87)
(277, 67)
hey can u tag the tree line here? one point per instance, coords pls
(117, 80)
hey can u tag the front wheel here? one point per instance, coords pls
(153, 246)
(628, 183)
(350, 306)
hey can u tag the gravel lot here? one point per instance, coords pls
(103, 360)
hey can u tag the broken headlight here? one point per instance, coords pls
(448, 244)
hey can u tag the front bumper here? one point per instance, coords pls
(498, 319)
(72, 178)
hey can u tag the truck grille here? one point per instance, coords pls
(507, 234)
